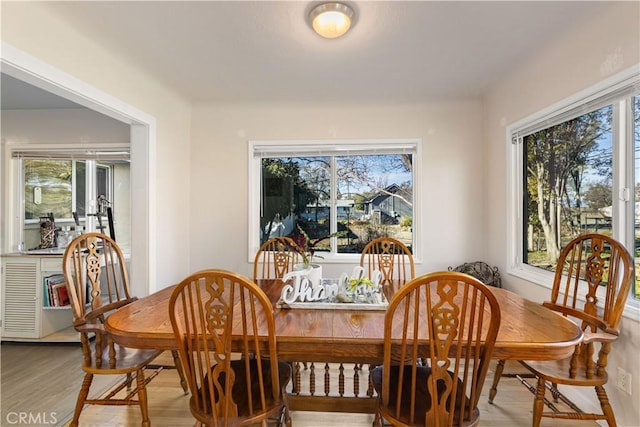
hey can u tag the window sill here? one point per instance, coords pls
(544, 279)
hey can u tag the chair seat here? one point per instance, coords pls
(126, 360)
(422, 405)
(557, 371)
(239, 390)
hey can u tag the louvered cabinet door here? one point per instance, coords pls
(20, 304)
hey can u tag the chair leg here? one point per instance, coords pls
(129, 381)
(178, 364)
(377, 418)
(606, 406)
(538, 403)
(142, 398)
(283, 419)
(82, 396)
(555, 393)
(287, 419)
(496, 379)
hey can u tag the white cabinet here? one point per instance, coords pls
(25, 315)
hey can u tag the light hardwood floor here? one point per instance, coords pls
(169, 406)
(40, 382)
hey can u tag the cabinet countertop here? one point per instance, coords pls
(39, 253)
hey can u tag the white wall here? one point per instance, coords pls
(34, 29)
(451, 217)
(586, 54)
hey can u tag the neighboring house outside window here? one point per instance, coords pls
(575, 169)
(352, 190)
(390, 204)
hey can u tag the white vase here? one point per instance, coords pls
(314, 273)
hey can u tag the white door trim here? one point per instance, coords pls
(31, 70)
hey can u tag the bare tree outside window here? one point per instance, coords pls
(568, 184)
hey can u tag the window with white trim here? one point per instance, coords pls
(73, 190)
(341, 194)
(575, 169)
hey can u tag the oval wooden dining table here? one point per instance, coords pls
(528, 331)
(321, 337)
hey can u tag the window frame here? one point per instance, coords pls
(618, 91)
(332, 147)
(95, 157)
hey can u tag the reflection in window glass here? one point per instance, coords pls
(80, 186)
(102, 181)
(48, 188)
(568, 185)
(59, 187)
(356, 198)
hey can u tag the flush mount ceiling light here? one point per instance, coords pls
(331, 20)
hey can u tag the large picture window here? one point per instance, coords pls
(341, 194)
(576, 170)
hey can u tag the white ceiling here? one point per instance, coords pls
(18, 95)
(265, 51)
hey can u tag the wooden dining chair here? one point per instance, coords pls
(225, 332)
(591, 284)
(275, 258)
(439, 334)
(96, 277)
(391, 257)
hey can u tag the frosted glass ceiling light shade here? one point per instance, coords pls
(331, 20)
